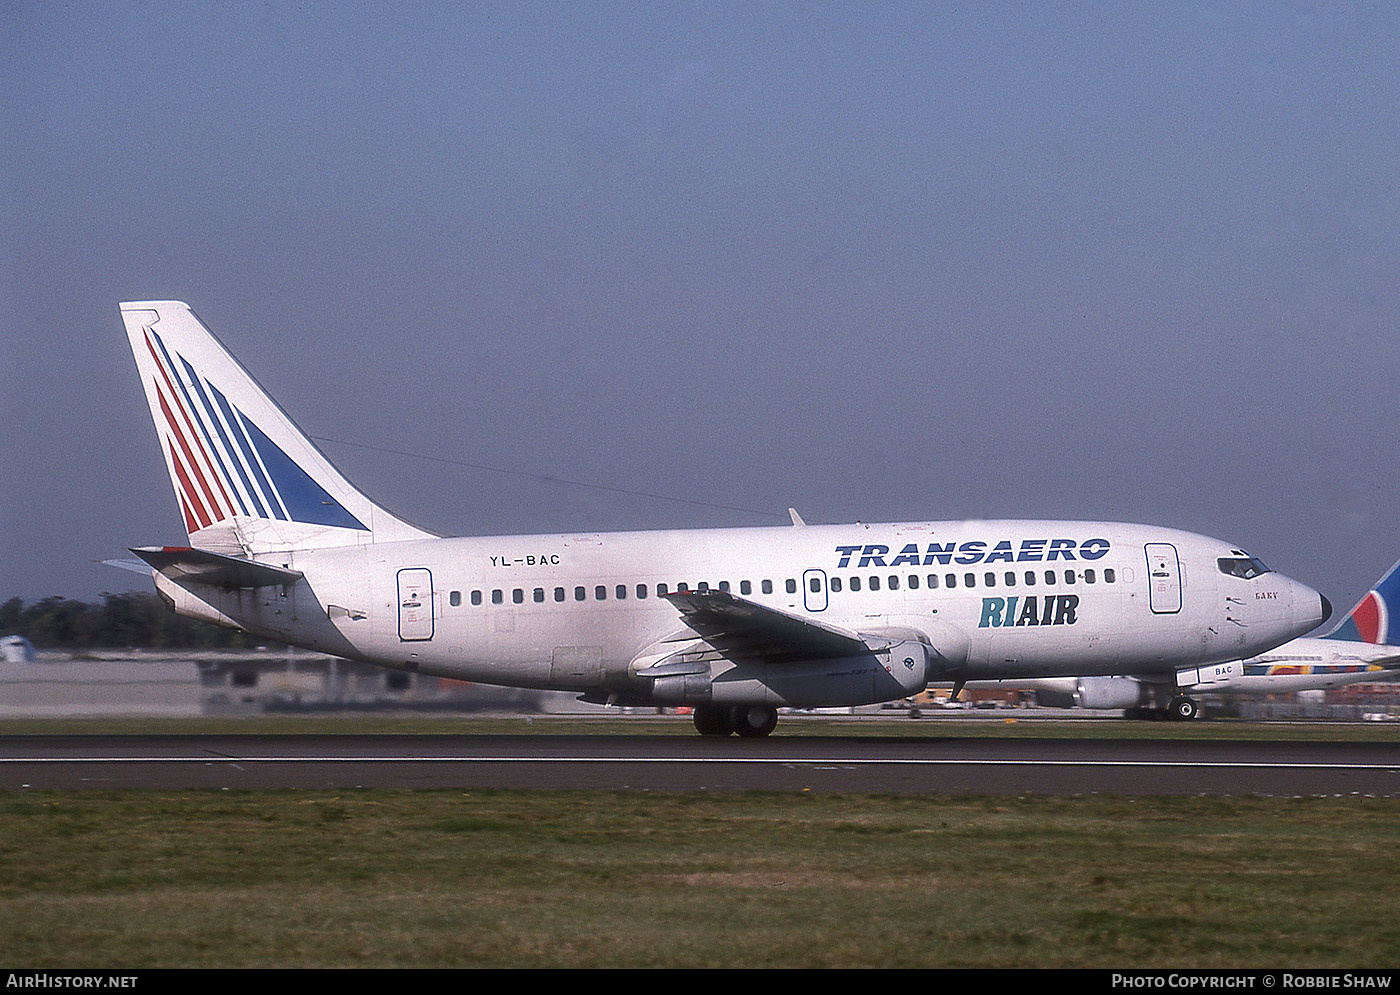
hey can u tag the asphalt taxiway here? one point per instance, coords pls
(933, 764)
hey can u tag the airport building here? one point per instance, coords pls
(191, 683)
(224, 682)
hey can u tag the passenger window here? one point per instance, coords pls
(600, 592)
(558, 594)
(1069, 576)
(455, 598)
(969, 580)
(745, 587)
(894, 582)
(951, 580)
(855, 583)
(1109, 576)
(874, 583)
(815, 584)
(791, 586)
(767, 587)
(1049, 576)
(1030, 578)
(913, 582)
(724, 586)
(580, 594)
(933, 582)
(641, 590)
(836, 584)
(990, 579)
(1011, 578)
(621, 591)
(476, 597)
(539, 595)
(1088, 576)
(704, 586)
(662, 590)
(497, 597)
(518, 596)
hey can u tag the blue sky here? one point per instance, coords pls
(877, 261)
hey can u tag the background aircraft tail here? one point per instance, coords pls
(246, 479)
(1369, 621)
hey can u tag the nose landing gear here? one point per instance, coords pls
(1184, 708)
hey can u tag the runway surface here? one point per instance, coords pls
(933, 764)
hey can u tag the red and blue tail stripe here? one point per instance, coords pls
(223, 464)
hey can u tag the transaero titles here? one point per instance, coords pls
(973, 551)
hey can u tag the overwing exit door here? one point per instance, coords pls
(814, 590)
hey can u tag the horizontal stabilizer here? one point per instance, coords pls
(135, 566)
(200, 566)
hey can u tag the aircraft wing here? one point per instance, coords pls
(200, 566)
(740, 628)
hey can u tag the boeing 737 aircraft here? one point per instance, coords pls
(735, 622)
(1357, 651)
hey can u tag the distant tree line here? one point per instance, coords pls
(122, 621)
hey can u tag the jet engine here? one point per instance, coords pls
(1111, 692)
(698, 675)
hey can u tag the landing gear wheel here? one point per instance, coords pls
(1184, 708)
(754, 721)
(713, 720)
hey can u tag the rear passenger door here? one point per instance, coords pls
(415, 591)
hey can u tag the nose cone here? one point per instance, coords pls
(1310, 609)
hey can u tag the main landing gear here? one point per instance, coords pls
(749, 721)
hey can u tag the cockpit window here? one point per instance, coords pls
(1245, 567)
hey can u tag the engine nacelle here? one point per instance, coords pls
(1111, 692)
(885, 674)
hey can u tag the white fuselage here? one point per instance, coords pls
(994, 599)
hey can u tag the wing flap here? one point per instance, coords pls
(740, 628)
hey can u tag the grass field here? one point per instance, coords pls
(503, 879)
(597, 879)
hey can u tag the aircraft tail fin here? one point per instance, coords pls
(1370, 620)
(246, 479)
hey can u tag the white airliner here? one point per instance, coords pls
(1357, 651)
(735, 622)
